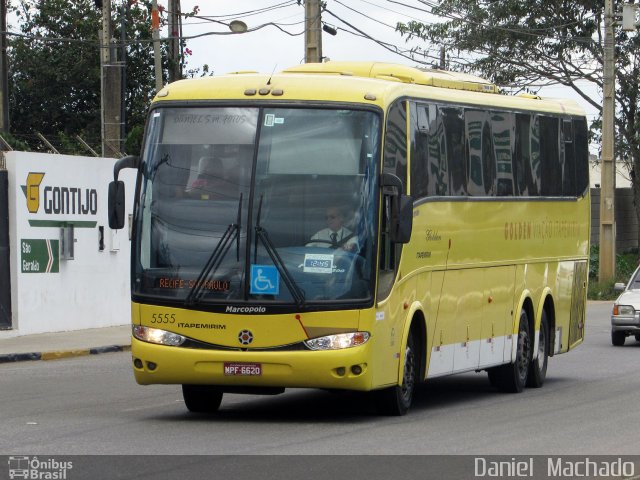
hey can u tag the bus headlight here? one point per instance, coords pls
(339, 341)
(155, 335)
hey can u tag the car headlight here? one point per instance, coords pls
(155, 335)
(624, 310)
(339, 341)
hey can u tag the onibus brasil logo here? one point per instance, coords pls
(40, 469)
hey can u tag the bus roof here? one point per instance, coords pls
(359, 82)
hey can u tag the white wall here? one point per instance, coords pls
(623, 179)
(92, 289)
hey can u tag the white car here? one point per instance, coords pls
(625, 318)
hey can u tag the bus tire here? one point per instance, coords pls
(396, 400)
(512, 378)
(538, 367)
(201, 398)
(618, 338)
(637, 338)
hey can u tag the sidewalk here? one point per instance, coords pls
(52, 346)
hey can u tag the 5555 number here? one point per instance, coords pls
(163, 318)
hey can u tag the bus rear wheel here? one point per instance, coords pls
(201, 398)
(396, 401)
(538, 367)
(512, 378)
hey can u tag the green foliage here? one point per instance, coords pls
(626, 264)
(601, 291)
(133, 144)
(54, 76)
(523, 43)
(15, 143)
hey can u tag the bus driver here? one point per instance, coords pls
(336, 235)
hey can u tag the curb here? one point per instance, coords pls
(59, 354)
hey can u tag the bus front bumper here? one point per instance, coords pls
(346, 369)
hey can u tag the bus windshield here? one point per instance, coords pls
(258, 205)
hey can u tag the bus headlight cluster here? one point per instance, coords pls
(155, 335)
(339, 341)
(626, 310)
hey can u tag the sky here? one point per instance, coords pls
(269, 49)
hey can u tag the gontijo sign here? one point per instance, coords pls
(47, 201)
(59, 200)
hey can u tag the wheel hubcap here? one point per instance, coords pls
(409, 375)
(524, 349)
(542, 349)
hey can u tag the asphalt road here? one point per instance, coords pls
(92, 405)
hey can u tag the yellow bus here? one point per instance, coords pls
(354, 226)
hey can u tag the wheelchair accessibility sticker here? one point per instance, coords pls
(265, 280)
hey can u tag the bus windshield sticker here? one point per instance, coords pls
(318, 263)
(269, 120)
(265, 280)
(279, 121)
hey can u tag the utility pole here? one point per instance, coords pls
(175, 21)
(607, 265)
(4, 70)
(155, 35)
(110, 86)
(312, 31)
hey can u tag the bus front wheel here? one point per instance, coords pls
(512, 377)
(396, 400)
(201, 398)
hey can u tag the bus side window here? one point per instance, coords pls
(419, 150)
(453, 120)
(551, 159)
(569, 171)
(395, 162)
(581, 134)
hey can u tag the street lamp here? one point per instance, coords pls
(238, 26)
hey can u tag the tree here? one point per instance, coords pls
(54, 73)
(534, 43)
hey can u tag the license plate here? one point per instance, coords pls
(243, 369)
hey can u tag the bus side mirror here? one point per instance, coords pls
(401, 214)
(116, 205)
(402, 219)
(116, 191)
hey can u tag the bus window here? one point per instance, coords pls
(581, 153)
(536, 156)
(550, 160)
(522, 156)
(569, 171)
(453, 119)
(395, 142)
(395, 161)
(419, 150)
(503, 140)
(474, 123)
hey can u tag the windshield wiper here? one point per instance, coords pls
(215, 259)
(296, 292)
